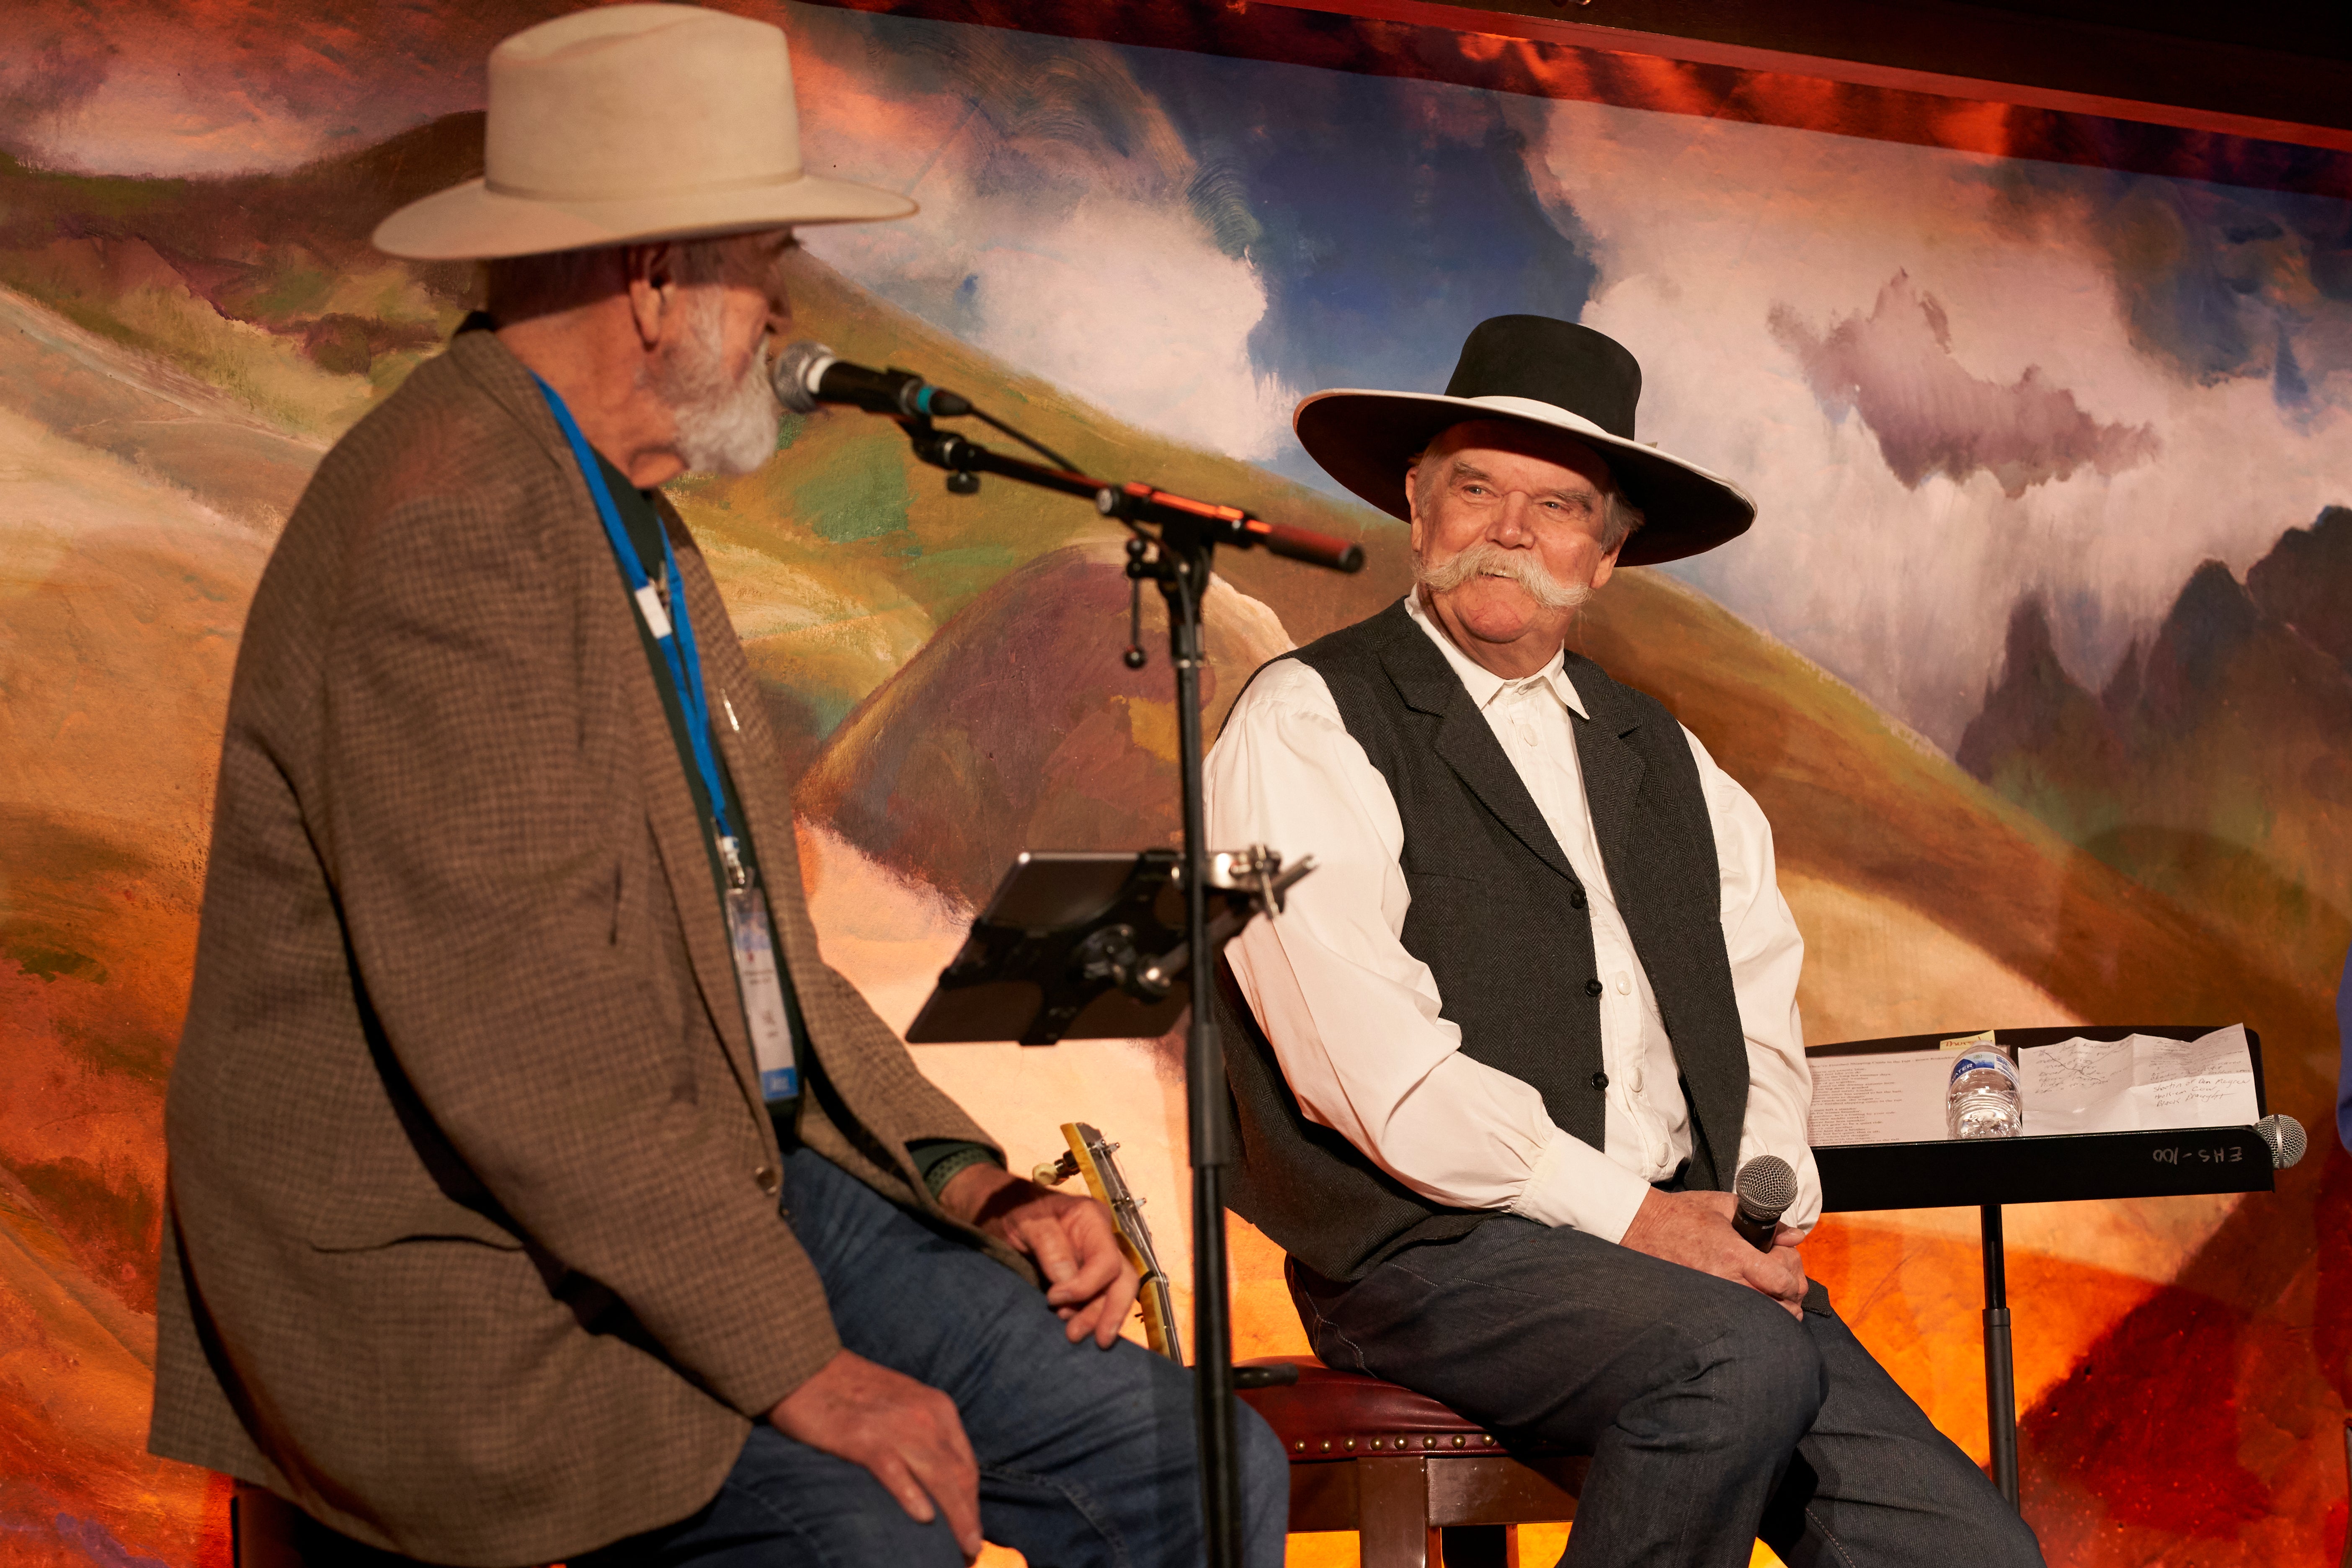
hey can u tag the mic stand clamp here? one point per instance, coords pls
(1249, 882)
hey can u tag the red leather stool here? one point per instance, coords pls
(265, 1531)
(263, 1528)
(1397, 1466)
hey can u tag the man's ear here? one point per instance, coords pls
(1412, 508)
(1606, 569)
(652, 286)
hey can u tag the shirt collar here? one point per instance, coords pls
(1484, 685)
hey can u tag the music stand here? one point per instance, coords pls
(1987, 1172)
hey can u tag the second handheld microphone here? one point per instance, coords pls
(1765, 1187)
(806, 375)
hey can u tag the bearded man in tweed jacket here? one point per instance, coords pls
(497, 1233)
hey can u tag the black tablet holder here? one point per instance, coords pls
(1077, 945)
(1081, 970)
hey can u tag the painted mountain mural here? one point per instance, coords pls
(176, 350)
(2215, 764)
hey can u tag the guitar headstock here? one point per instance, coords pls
(1090, 1154)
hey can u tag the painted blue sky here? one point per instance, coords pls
(1373, 278)
(1364, 225)
(1949, 379)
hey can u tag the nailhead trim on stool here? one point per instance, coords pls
(1331, 1411)
(1396, 1466)
(1298, 1444)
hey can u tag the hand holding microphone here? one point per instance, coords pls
(1690, 1228)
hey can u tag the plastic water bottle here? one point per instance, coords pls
(1983, 1101)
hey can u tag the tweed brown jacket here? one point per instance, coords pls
(473, 1248)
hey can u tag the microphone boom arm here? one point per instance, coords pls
(1205, 522)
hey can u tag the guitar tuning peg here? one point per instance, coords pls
(1110, 1148)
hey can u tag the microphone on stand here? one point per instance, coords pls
(1765, 1187)
(806, 375)
(2285, 1137)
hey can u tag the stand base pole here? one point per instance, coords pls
(2000, 1370)
(1214, 1407)
(1184, 565)
(2347, 1561)
(2000, 1401)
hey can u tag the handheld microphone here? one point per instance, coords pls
(1765, 1187)
(806, 375)
(2285, 1137)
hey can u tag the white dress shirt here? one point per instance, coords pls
(1353, 1017)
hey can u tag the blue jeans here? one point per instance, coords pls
(1086, 1456)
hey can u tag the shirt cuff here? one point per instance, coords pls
(938, 1161)
(1577, 1185)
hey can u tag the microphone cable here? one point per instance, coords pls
(1031, 442)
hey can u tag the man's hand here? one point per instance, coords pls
(1089, 1281)
(907, 1433)
(1694, 1229)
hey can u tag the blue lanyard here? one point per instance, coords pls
(685, 665)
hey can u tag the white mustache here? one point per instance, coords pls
(1487, 559)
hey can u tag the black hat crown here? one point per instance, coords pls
(1559, 362)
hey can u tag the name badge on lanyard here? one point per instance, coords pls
(751, 938)
(751, 934)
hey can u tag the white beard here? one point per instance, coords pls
(1487, 559)
(723, 427)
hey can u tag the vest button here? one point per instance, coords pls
(769, 1182)
(1576, 897)
(1601, 1080)
(1592, 987)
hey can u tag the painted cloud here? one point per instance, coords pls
(1895, 368)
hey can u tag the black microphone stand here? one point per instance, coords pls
(1174, 541)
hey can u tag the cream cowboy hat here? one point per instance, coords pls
(1530, 370)
(632, 122)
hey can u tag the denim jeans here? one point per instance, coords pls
(1714, 1417)
(1086, 1456)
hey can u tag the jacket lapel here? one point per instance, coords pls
(669, 805)
(678, 829)
(1613, 768)
(751, 752)
(1464, 741)
(686, 865)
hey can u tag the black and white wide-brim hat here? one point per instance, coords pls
(1534, 371)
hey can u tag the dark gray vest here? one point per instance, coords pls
(1501, 921)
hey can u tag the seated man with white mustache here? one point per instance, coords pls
(1496, 1066)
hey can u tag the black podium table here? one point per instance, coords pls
(1986, 1174)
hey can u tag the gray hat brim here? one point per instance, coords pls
(473, 222)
